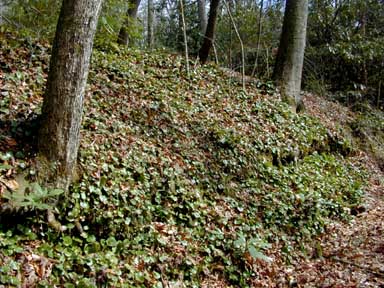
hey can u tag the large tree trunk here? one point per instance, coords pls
(130, 20)
(210, 32)
(63, 100)
(202, 16)
(150, 39)
(289, 62)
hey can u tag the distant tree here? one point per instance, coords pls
(289, 62)
(150, 39)
(62, 109)
(210, 32)
(345, 49)
(181, 4)
(259, 28)
(202, 16)
(129, 22)
(36, 18)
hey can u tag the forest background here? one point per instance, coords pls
(344, 53)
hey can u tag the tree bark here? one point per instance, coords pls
(210, 32)
(184, 36)
(59, 133)
(202, 16)
(124, 37)
(150, 40)
(258, 37)
(180, 31)
(290, 56)
(241, 45)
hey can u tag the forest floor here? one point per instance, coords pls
(348, 254)
(352, 253)
(169, 190)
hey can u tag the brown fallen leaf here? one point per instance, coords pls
(380, 249)
(9, 172)
(10, 184)
(10, 142)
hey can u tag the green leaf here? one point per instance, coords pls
(67, 240)
(258, 255)
(240, 242)
(111, 242)
(103, 181)
(5, 167)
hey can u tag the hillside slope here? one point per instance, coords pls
(182, 182)
(352, 254)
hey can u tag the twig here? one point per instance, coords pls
(37, 11)
(267, 60)
(258, 38)
(373, 272)
(215, 52)
(241, 43)
(10, 22)
(185, 36)
(53, 223)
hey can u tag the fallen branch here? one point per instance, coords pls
(369, 270)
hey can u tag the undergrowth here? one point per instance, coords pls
(368, 129)
(180, 178)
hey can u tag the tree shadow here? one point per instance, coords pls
(20, 135)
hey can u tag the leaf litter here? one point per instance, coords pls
(196, 183)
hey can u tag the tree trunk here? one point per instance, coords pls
(184, 36)
(202, 16)
(241, 45)
(150, 40)
(210, 32)
(59, 133)
(231, 8)
(180, 31)
(258, 37)
(289, 62)
(130, 20)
